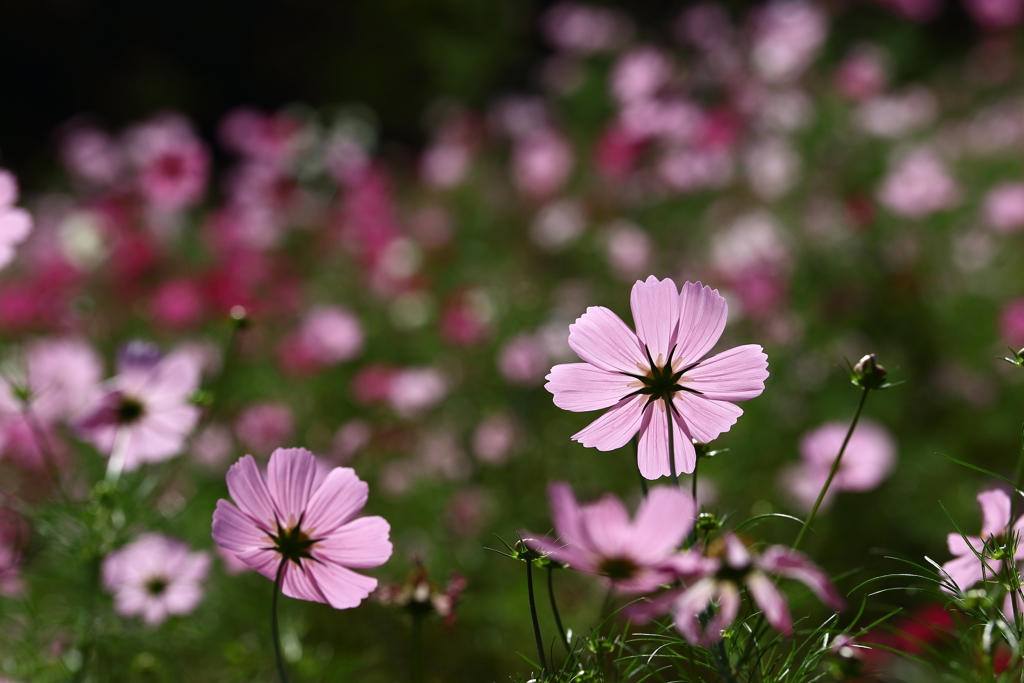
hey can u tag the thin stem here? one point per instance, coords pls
(832, 472)
(554, 608)
(671, 443)
(273, 621)
(536, 623)
(417, 648)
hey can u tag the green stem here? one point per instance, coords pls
(832, 472)
(417, 648)
(536, 623)
(554, 608)
(273, 621)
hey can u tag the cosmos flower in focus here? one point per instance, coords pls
(155, 577)
(657, 372)
(301, 522)
(599, 538)
(144, 411)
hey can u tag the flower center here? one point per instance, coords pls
(129, 410)
(157, 585)
(293, 543)
(661, 381)
(618, 568)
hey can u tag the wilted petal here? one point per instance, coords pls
(655, 305)
(361, 543)
(662, 521)
(770, 600)
(795, 565)
(290, 476)
(580, 387)
(702, 314)
(249, 491)
(995, 512)
(602, 339)
(706, 419)
(339, 499)
(615, 428)
(734, 375)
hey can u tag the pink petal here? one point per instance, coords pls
(965, 571)
(615, 428)
(652, 450)
(361, 543)
(655, 305)
(770, 600)
(290, 476)
(957, 545)
(702, 314)
(736, 554)
(262, 561)
(663, 520)
(995, 511)
(561, 550)
(606, 527)
(249, 491)
(182, 598)
(734, 375)
(580, 387)
(602, 339)
(705, 419)
(565, 511)
(644, 610)
(795, 565)
(342, 587)
(339, 499)
(15, 225)
(298, 583)
(690, 605)
(235, 530)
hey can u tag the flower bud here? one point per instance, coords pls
(868, 374)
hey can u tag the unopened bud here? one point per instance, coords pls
(869, 374)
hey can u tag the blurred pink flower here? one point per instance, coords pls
(62, 377)
(301, 526)
(263, 427)
(723, 578)
(466, 320)
(213, 446)
(541, 164)
(173, 164)
(271, 138)
(444, 164)
(915, 10)
(966, 569)
(178, 303)
(15, 223)
(787, 35)
(350, 438)
(144, 413)
(869, 458)
(599, 538)
(91, 154)
(585, 29)
(863, 73)
(468, 511)
(372, 383)
(616, 153)
(1004, 207)
(628, 249)
(1011, 323)
(640, 74)
(414, 390)
(155, 577)
(996, 14)
(656, 373)
(523, 360)
(494, 438)
(899, 114)
(918, 185)
(327, 336)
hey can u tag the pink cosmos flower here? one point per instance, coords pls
(869, 458)
(494, 439)
(599, 538)
(996, 14)
(413, 391)
(918, 185)
(62, 377)
(1011, 322)
(145, 409)
(264, 426)
(966, 569)
(523, 359)
(15, 223)
(722, 579)
(658, 376)
(541, 164)
(155, 577)
(1004, 207)
(328, 335)
(173, 164)
(303, 525)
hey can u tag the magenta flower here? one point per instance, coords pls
(657, 372)
(144, 414)
(599, 538)
(967, 568)
(722, 579)
(155, 577)
(305, 520)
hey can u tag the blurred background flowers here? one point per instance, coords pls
(364, 228)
